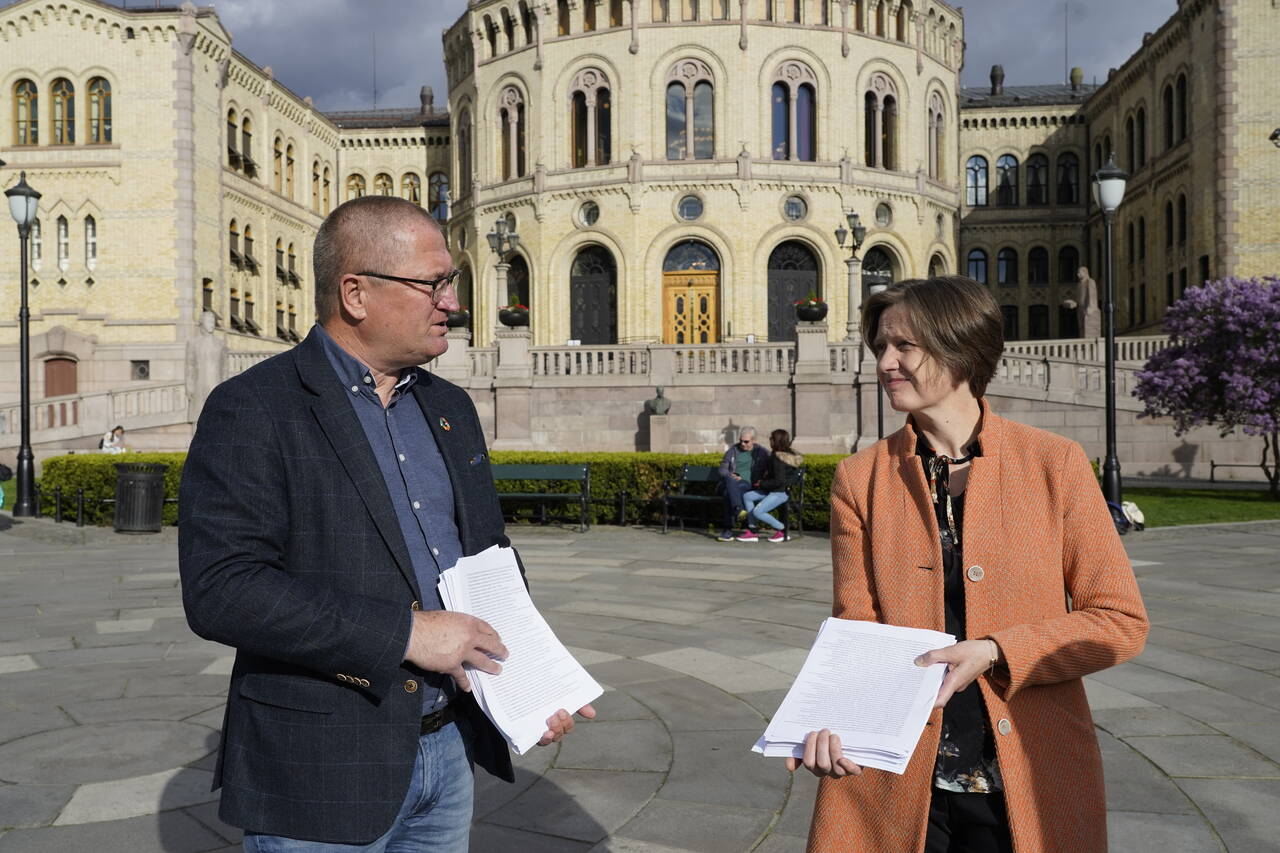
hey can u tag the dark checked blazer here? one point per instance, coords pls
(290, 552)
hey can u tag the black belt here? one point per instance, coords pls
(438, 719)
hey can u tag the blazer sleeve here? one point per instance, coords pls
(726, 463)
(232, 539)
(854, 593)
(1107, 624)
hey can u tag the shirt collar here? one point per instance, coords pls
(353, 373)
(923, 448)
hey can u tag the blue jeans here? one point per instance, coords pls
(733, 492)
(435, 817)
(758, 505)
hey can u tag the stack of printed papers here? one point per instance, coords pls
(539, 676)
(861, 682)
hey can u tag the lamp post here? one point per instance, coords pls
(23, 201)
(877, 288)
(859, 232)
(503, 240)
(1108, 193)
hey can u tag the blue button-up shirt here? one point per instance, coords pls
(417, 482)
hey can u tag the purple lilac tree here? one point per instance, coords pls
(1223, 364)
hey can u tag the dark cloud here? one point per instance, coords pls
(326, 48)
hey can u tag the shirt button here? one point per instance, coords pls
(401, 457)
(367, 379)
(417, 605)
(355, 389)
(417, 505)
(435, 552)
(1004, 727)
(975, 573)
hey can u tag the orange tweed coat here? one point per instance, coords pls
(1054, 589)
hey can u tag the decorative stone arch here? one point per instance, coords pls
(936, 113)
(664, 72)
(799, 134)
(590, 117)
(648, 314)
(511, 116)
(884, 108)
(694, 77)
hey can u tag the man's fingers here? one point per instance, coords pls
(588, 712)
(459, 676)
(482, 662)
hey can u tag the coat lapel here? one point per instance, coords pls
(342, 428)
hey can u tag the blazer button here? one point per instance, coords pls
(975, 573)
(342, 677)
(411, 686)
(364, 682)
(1004, 727)
(417, 605)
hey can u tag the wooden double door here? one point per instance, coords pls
(691, 307)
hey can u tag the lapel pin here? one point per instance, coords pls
(444, 424)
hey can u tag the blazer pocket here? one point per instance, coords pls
(297, 693)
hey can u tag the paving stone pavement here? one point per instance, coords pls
(110, 708)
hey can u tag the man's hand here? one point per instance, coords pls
(824, 756)
(965, 662)
(443, 641)
(561, 723)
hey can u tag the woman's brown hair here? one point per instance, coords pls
(955, 320)
(780, 441)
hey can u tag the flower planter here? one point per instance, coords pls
(513, 317)
(811, 312)
(458, 319)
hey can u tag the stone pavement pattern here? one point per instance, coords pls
(111, 707)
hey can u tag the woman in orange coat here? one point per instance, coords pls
(997, 533)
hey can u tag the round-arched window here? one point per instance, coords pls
(691, 255)
(877, 269)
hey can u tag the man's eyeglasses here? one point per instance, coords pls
(437, 288)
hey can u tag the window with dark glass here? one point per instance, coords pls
(26, 113)
(63, 95)
(1068, 264)
(1068, 178)
(1007, 267)
(1183, 94)
(1037, 179)
(1038, 266)
(438, 196)
(978, 265)
(99, 111)
(1141, 144)
(1037, 322)
(1010, 315)
(1007, 181)
(1168, 225)
(690, 112)
(976, 181)
(1182, 220)
(1167, 104)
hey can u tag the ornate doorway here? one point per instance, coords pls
(877, 269)
(793, 275)
(593, 297)
(691, 294)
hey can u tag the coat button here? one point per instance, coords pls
(975, 573)
(1004, 727)
(411, 686)
(364, 682)
(417, 605)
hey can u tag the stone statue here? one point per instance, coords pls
(659, 405)
(206, 364)
(1090, 316)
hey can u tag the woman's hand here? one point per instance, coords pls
(965, 662)
(824, 756)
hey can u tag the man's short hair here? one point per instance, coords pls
(955, 320)
(356, 231)
(742, 431)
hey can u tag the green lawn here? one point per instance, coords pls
(1169, 507)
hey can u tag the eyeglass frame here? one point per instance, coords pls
(436, 291)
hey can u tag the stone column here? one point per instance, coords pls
(854, 265)
(635, 27)
(812, 383)
(455, 363)
(659, 433)
(513, 384)
(501, 268)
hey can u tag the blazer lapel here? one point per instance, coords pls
(346, 436)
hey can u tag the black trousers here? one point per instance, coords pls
(967, 823)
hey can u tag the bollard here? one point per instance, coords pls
(57, 504)
(80, 507)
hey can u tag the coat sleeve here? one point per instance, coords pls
(854, 594)
(726, 463)
(232, 536)
(1107, 624)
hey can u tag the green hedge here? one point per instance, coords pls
(642, 475)
(96, 474)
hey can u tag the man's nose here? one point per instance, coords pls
(449, 299)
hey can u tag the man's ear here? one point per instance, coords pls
(353, 297)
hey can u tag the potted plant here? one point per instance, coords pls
(811, 309)
(458, 319)
(514, 313)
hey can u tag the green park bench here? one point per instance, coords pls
(698, 489)
(565, 474)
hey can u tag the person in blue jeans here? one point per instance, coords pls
(744, 463)
(770, 491)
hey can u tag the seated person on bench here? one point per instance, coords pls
(743, 464)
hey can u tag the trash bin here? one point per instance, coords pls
(139, 496)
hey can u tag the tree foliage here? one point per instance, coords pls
(1223, 364)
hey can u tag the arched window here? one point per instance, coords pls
(795, 11)
(615, 13)
(1182, 125)
(411, 187)
(562, 17)
(90, 242)
(1068, 178)
(1167, 103)
(463, 134)
(1068, 264)
(593, 297)
(878, 268)
(1168, 225)
(327, 194)
(355, 186)
(1037, 322)
(904, 22)
(589, 18)
(1140, 129)
(382, 184)
(246, 146)
(1010, 314)
(233, 136)
(509, 29)
(249, 260)
(233, 244)
(880, 119)
(62, 111)
(880, 24)
(937, 118)
(1182, 220)
(294, 278)
(661, 10)
(438, 196)
(99, 111)
(288, 171)
(491, 35)
(937, 266)
(1037, 179)
(859, 16)
(277, 165)
(794, 113)
(1131, 145)
(1142, 239)
(976, 181)
(512, 127)
(64, 243)
(527, 22)
(281, 274)
(1132, 254)
(690, 112)
(26, 113)
(591, 119)
(1007, 267)
(1007, 181)
(518, 280)
(1038, 265)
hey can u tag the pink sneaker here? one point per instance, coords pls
(778, 536)
(747, 536)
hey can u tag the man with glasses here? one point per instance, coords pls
(743, 463)
(324, 492)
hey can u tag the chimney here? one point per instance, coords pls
(428, 98)
(997, 79)
(1077, 78)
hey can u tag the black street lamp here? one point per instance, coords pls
(1108, 193)
(23, 201)
(503, 240)
(859, 232)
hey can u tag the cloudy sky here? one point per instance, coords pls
(333, 50)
